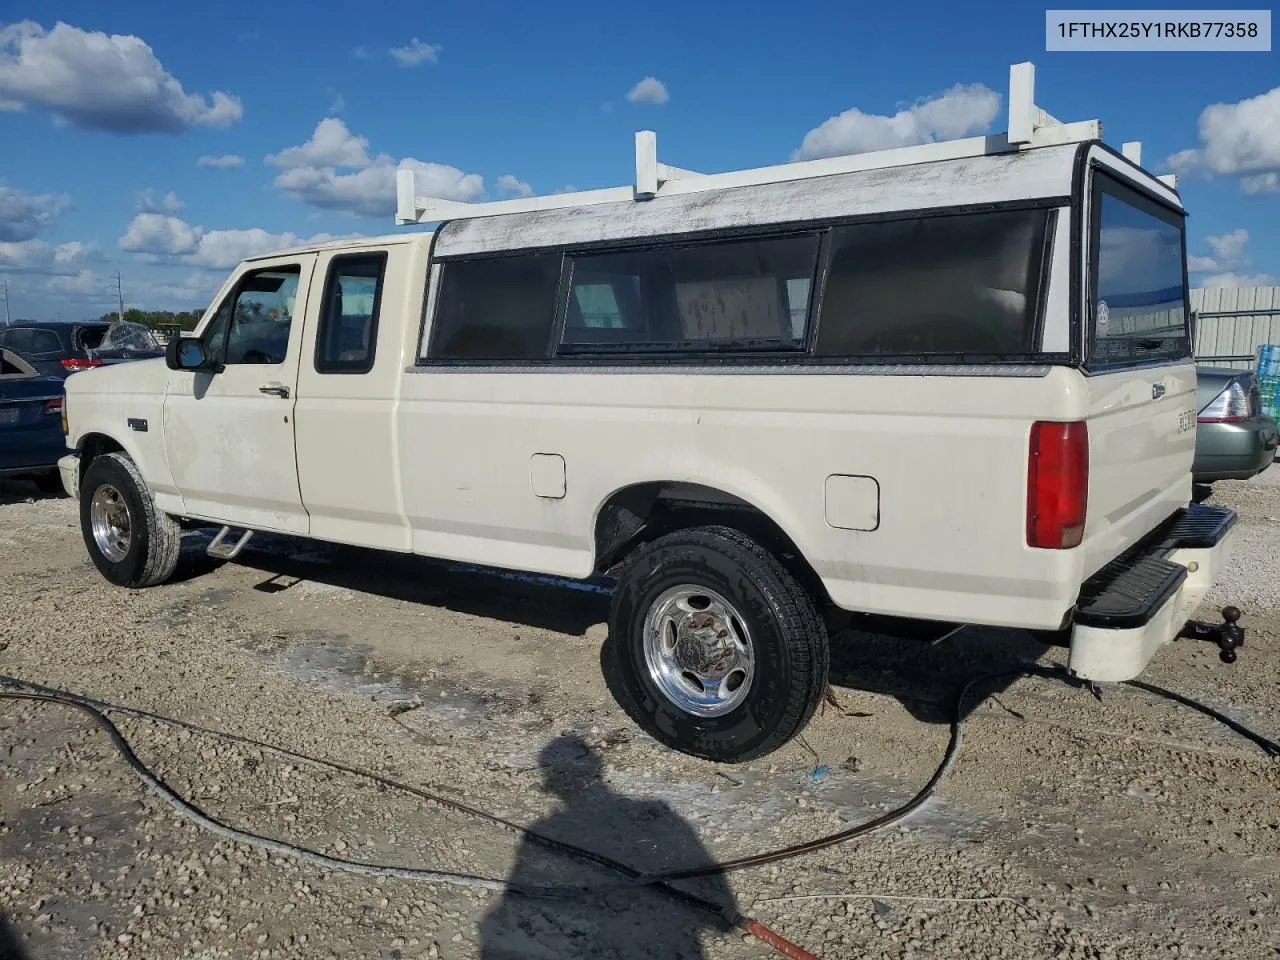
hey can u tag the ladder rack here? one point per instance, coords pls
(1029, 127)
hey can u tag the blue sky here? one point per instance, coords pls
(105, 119)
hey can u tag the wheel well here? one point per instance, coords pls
(646, 511)
(93, 446)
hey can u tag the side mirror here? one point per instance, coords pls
(186, 353)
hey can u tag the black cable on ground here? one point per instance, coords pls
(14, 688)
(94, 709)
(1271, 747)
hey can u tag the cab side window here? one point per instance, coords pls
(348, 335)
(252, 325)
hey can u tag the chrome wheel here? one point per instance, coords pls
(112, 524)
(698, 651)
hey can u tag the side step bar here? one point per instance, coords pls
(219, 549)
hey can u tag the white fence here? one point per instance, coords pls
(1232, 322)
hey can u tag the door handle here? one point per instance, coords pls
(276, 389)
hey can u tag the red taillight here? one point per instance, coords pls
(1057, 484)
(53, 407)
(72, 364)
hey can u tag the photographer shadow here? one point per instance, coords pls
(608, 918)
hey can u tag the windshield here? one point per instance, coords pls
(1138, 311)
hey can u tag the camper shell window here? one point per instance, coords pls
(935, 285)
(742, 295)
(1137, 310)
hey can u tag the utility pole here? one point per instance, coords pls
(7, 320)
(120, 296)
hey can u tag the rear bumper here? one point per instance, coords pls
(1142, 600)
(1234, 451)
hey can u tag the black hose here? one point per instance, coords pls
(14, 688)
(1269, 746)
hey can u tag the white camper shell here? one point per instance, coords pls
(950, 382)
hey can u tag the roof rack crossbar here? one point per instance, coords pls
(1029, 127)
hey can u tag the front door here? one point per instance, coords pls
(229, 434)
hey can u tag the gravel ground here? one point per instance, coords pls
(1072, 827)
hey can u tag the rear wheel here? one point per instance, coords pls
(714, 648)
(132, 543)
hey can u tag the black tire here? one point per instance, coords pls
(788, 636)
(154, 536)
(49, 483)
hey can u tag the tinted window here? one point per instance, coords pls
(499, 309)
(743, 293)
(965, 284)
(29, 340)
(1138, 311)
(252, 325)
(349, 321)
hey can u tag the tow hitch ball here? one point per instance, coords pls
(1228, 635)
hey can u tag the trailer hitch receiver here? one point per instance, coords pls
(1228, 635)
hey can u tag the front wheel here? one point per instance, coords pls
(130, 542)
(714, 649)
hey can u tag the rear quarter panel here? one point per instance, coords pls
(1141, 447)
(948, 453)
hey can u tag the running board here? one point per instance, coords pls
(220, 550)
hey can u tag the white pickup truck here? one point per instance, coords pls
(949, 382)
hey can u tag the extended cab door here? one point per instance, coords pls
(228, 433)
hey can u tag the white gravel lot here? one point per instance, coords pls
(1072, 827)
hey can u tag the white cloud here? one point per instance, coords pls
(339, 102)
(360, 53)
(37, 256)
(415, 53)
(1238, 138)
(24, 215)
(226, 161)
(311, 174)
(149, 202)
(510, 184)
(161, 238)
(160, 234)
(648, 90)
(964, 110)
(1239, 280)
(1228, 255)
(1261, 183)
(100, 82)
(331, 145)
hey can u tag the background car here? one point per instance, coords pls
(1234, 441)
(31, 437)
(62, 348)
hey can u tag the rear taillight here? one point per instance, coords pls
(1230, 406)
(72, 364)
(1057, 484)
(53, 408)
